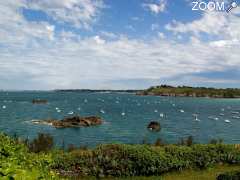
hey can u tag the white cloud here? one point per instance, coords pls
(99, 40)
(109, 34)
(212, 23)
(156, 7)
(161, 35)
(154, 27)
(80, 13)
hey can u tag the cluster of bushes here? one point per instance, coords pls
(16, 162)
(143, 160)
(37, 160)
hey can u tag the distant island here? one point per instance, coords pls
(186, 91)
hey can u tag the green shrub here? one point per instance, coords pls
(43, 143)
(144, 160)
(17, 163)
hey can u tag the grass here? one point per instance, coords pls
(207, 174)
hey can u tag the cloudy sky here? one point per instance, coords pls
(116, 44)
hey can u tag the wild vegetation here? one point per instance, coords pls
(37, 159)
(165, 90)
(16, 162)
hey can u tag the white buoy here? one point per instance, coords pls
(4, 107)
(155, 110)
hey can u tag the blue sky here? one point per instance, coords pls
(108, 44)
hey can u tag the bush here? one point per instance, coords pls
(43, 143)
(234, 175)
(186, 142)
(17, 163)
(144, 160)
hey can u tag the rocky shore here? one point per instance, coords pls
(71, 122)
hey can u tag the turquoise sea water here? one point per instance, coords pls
(125, 117)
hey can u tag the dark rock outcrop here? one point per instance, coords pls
(70, 122)
(39, 101)
(154, 126)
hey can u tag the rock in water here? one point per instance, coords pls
(154, 126)
(71, 122)
(39, 101)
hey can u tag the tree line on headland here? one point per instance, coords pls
(186, 91)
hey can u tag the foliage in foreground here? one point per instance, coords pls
(16, 160)
(17, 163)
(233, 175)
(143, 160)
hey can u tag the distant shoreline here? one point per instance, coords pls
(162, 90)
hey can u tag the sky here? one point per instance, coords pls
(116, 44)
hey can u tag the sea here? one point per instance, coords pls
(125, 116)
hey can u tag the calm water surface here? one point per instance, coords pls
(125, 117)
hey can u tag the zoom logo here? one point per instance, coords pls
(213, 6)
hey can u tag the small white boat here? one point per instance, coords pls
(59, 111)
(227, 121)
(4, 107)
(117, 102)
(123, 113)
(213, 118)
(196, 117)
(161, 115)
(181, 110)
(221, 114)
(71, 112)
(236, 117)
(102, 111)
(155, 110)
